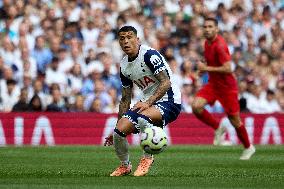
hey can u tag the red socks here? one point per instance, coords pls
(208, 119)
(243, 135)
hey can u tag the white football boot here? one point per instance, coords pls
(247, 153)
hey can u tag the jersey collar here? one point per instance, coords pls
(134, 58)
(214, 40)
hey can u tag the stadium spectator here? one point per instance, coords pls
(28, 84)
(110, 74)
(57, 104)
(10, 96)
(187, 97)
(113, 105)
(4, 9)
(95, 70)
(27, 64)
(42, 54)
(96, 106)
(9, 52)
(256, 102)
(75, 80)
(249, 54)
(55, 45)
(22, 105)
(78, 32)
(177, 78)
(272, 104)
(78, 105)
(243, 93)
(187, 72)
(2, 68)
(65, 61)
(26, 36)
(35, 104)
(54, 75)
(99, 93)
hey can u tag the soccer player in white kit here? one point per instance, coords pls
(160, 104)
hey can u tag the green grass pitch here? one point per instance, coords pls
(177, 167)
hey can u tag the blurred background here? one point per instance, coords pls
(63, 55)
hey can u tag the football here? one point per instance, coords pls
(153, 140)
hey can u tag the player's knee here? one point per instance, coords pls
(139, 121)
(235, 121)
(118, 133)
(124, 127)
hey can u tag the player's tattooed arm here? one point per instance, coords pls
(163, 87)
(125, 101)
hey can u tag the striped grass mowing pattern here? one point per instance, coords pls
(177, 167)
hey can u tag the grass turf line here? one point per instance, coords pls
(177, 167)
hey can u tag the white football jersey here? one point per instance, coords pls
(142, 72)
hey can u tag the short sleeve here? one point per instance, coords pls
(154, 60)
(223, 53)
(126, 82)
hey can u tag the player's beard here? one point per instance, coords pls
(210, 37)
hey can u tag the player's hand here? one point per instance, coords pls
(201, 67)
(109, 140)
(140, 106)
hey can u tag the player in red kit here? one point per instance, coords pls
(222, 86)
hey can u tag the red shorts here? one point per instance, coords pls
(228, 98)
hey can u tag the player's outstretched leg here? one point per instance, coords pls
(147, 159)
(249, 148)
(121, 149)
(243, 136)
(203, 115)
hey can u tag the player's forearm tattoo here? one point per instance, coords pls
(163, 87)
(125, 101)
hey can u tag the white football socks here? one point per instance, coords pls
(121, 148)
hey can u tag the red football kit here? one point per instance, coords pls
(221, 86)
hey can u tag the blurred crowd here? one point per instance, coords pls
(63, 55)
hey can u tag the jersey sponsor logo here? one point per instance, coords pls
(144, 82)
(155, 60)
(160, 69)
